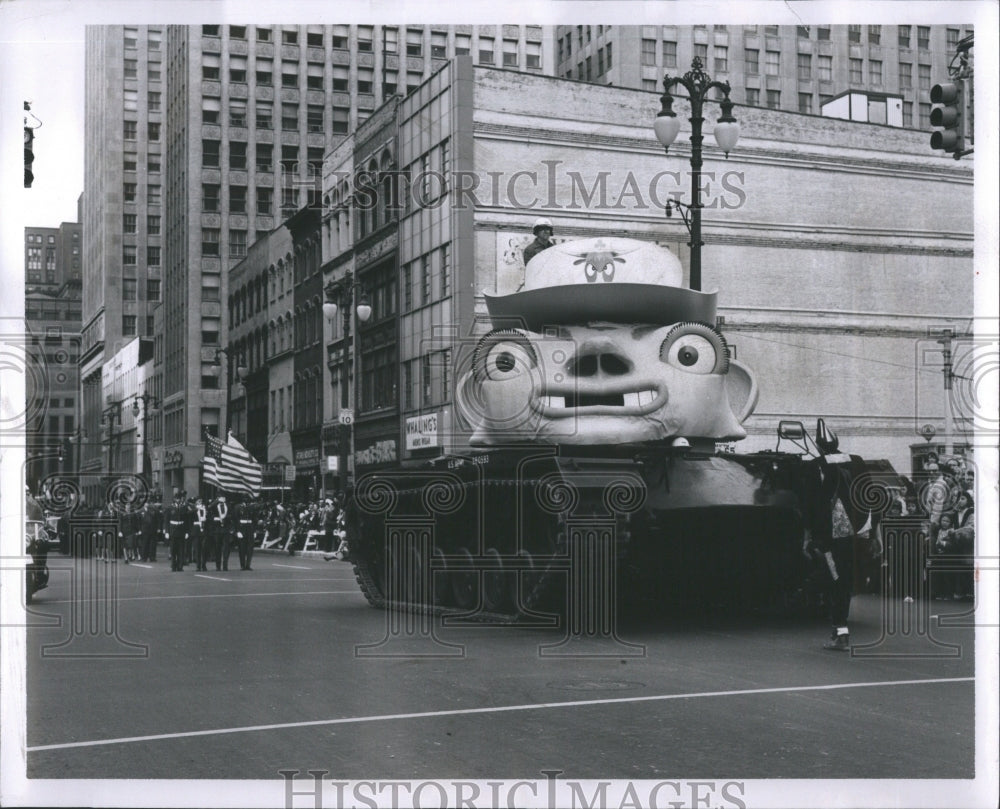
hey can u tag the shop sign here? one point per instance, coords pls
(422, 431)
(379, 452)
(307, 457)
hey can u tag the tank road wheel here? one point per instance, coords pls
(498, 584)
(525, 580)
(438, 577)
(465, 582)
(404, 568)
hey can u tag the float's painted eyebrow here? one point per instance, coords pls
(638, 332)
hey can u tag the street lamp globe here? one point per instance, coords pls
(727, 130)
(241, 372)
(667, 125)
(364, 310)
(329, 310)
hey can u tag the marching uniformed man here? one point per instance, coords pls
(175, 529)
(199, 527)
(244, 527)
(219, 520)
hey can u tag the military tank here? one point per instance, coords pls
(595, 410)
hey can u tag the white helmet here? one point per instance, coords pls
(541, 223)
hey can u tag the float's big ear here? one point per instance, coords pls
(741, 385)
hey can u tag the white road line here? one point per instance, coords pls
(222, 595)
(137, 564)
(295, 567)
(213, 578)
(350, 720)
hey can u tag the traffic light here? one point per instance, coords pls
(29, 155)
(949, 115)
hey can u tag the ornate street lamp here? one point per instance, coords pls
(339, 296)
(241, 375)
(667, 126)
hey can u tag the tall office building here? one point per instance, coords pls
(200, 140)
(52, 261)
(787, 67)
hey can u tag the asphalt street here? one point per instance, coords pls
(241, 674)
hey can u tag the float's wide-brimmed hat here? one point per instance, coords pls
(604, 279)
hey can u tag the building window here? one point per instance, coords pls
(210, 110)
(510, 53)
(153, 256)
(414, 42)
(802, 31)
(129, 162)
(153, 164)
(463, 44)
(314, 39)
(924, 76)
(128, 325)
(237, 243)
(752, 58)
(648, 52)
(264, 114)
(153, 289)
(772, 63)
(825, 68)
(211, 198)
(238, 112)
(805, 66)
(486, 50)
(154, 101)
(128, 192)
(855, 71)
(153, 225)
(129, 255)
(823, 33)
(875, 72)
(129, 223)
(314, 76)
(210, 241)
(265, 152)
(264, 69)
(290, 117)
(774, 99)
(439, 45)
(265, 197)
(289, 37)
(854, 33)
(210, 30)
(129, 130)
(721, 59)
(904, 36)
(238, 155)
(289, 73)
(131, 68)
(874, 34)
(925, 116)
(153, 194)
(131, 38)
(923, 37)
(130, 288)
(905, 76)
(237, 199)
(210, 66)
(908, 113)
(408, 288)
(238, 69)
(365, 80)
(153, 130)
(805, 103)
(341, 119)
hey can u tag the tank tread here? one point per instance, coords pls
(374, 595)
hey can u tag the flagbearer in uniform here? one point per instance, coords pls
(199, 526)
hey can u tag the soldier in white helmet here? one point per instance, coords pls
(543, 239)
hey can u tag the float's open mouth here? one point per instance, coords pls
(624, 403)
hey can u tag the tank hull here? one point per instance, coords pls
(510, 531)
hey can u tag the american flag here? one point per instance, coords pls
(230, 467)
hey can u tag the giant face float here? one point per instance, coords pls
(603, 345)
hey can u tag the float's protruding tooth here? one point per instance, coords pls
(633, 399)
(555, 401)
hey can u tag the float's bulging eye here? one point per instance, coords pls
(696, 348)
(506, 360)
